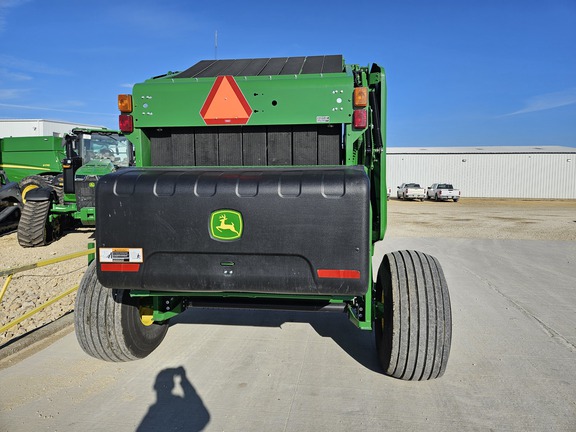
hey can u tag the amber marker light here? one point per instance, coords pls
(360, 97)
(125, 103)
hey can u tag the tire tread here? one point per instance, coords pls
(414, 336)
(32, 228)
(107, 324)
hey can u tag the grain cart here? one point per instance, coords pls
(32, 161)
(259, 183)
(57, 177)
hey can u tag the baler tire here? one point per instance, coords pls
(413, 335)
(33, 227)
(108, 324)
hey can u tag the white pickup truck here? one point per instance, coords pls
(442, 192)
(410, 191)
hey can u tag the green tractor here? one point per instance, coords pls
(259, 183)
(58, 176)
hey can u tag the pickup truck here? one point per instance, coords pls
(443, 192)
(411, 191)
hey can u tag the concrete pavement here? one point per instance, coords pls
(512, 364)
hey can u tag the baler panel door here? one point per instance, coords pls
(279, 231)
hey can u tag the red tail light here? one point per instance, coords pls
(126, 123)
(360, 119)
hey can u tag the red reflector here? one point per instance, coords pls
(360, 119)
(126, 123)
(338, 274)
(119, 267)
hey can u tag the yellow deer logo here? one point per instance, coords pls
(226, 226)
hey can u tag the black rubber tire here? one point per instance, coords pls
(32, 182)
(413, 336)
(59, 193)
(108, 325)
(10, 222)
(33, 228)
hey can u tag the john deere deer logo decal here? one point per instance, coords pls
(226, 225)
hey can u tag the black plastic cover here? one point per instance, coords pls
(304, 230)
(40, 194)
(265, 66)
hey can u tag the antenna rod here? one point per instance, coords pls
(216, 45)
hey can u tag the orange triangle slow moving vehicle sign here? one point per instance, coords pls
(225, 103)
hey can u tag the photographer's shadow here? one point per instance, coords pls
(173, 412)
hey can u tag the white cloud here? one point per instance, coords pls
(12, 93)
(40, 108)
(547, 101)
(11, 62)
(5, 5)
(13, 76)
(155, 18)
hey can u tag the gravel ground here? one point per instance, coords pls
(469, 218)
(33, 288)
(484, 218)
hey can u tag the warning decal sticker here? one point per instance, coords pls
(121, 255)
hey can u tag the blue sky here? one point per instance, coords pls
(460, 73)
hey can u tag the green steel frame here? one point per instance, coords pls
(169, 101)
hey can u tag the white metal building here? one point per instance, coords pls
(37, 127)
(499, 172)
